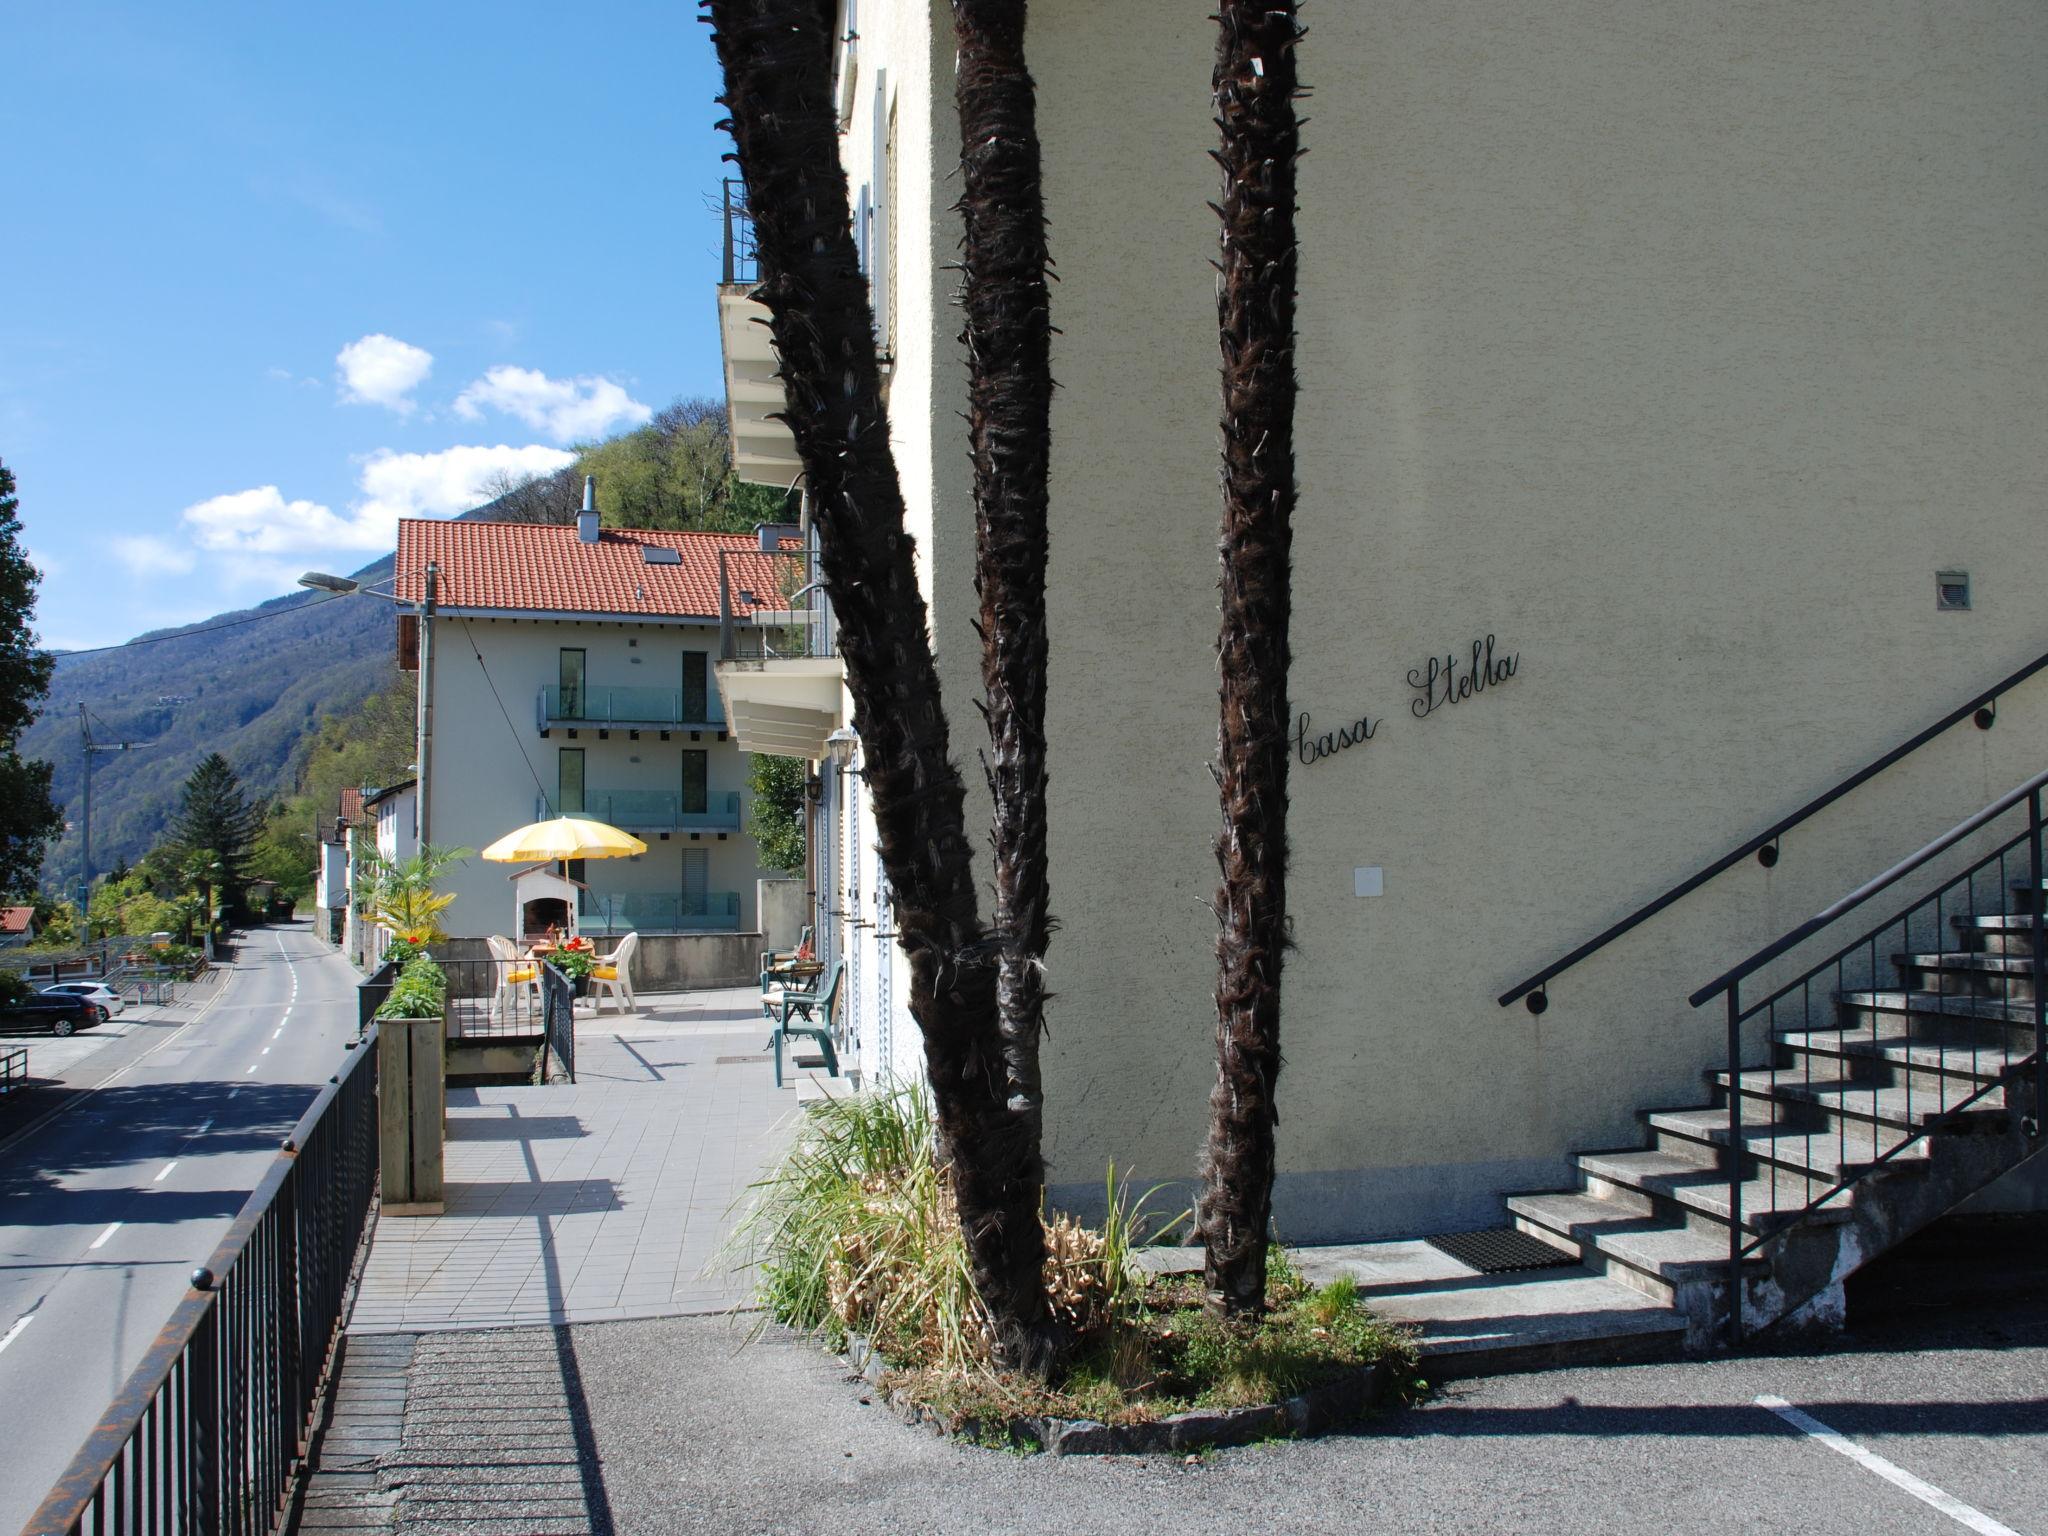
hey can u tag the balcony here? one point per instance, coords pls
(763, 452)
(778, 670)
(652, 810)
(703, 912)
(638, 709)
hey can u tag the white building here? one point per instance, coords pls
(569, 673)
(1693, 357)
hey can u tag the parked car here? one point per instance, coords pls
(40, 1011)
(99, 994)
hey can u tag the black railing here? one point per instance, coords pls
(209, 1431)
(494, 999)
(558, 1010)
(370, 995)
(742, 262)
(1982, 708)
(1909, 1059)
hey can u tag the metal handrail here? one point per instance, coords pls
(1982, 708)
(1847, 904)
(209, 1430)
(1729, 985)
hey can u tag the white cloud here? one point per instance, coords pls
(442, 484)
(565, 409)
(257, 536)
(47, 565)
(382, 370)
(144, 554)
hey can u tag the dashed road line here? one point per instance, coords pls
(1897, 1476)
(164, 1172)
(101, 1240)
(15, 1332)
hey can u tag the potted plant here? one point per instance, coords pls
(576, 960)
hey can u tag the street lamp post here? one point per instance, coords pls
(343, 586)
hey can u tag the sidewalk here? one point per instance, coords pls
(597, 1201)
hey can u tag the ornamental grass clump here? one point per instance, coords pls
(857, 1233)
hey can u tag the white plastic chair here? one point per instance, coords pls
(514, 975)
(614, 975)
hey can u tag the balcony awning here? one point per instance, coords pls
(763, 452)
(784, 707)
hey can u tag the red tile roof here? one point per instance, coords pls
(546, 568)
(351, 810)
(16, 919)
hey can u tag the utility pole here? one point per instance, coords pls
(87, 747)
(424, 757)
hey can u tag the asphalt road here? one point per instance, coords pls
(107, 1204)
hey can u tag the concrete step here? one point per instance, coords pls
(1699, 1196)
(1474, 1324)
(1997, 933)
(1923, 1012)
(1912, 1105)
(1625, 1239)
(1968, 973)
(1893, 1047)
(1834, 1153)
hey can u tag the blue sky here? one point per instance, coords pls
(272, 275)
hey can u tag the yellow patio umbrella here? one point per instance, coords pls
(565, 837)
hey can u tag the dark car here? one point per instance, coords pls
(57, 1015)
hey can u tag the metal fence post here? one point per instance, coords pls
(2039, 964)
(1735, 1163)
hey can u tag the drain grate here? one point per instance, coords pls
(1499, 1250)
(739, 1061)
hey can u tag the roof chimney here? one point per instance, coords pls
(586, 520)
(771, 535)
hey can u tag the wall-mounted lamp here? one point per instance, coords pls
(840, 745)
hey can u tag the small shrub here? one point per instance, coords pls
(420, 992)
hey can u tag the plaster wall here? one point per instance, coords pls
(1676, 347)
(488, 771)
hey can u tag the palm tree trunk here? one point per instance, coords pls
(778, 75)
(1009, 423)
(1255, 87)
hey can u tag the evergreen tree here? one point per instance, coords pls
(216, 832)
(28, 818)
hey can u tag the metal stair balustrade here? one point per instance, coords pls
(1982, 708)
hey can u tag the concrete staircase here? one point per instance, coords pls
(1927, 1072)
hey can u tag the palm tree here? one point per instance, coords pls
(1008, 336)
(777, 61)
(1255, 86)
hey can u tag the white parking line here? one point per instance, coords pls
(165, 1172)
(15, 1332)
(1899, 1477)
(112, 1228)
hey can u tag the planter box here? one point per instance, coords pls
(411, 1103)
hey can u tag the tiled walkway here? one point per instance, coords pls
(603, 1200)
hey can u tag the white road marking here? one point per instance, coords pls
(165, 1173)
(277, 1031)
(204, 1126)
(15, 1332)
(1899, 1477)
(112, 1228)
(266, 1050)
(252, 1068)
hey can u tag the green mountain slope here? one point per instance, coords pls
(252, 692)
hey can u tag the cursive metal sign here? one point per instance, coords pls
(1445, 681)
(1313, 749)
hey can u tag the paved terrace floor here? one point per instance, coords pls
(605, 1200)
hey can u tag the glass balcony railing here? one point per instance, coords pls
(655, 810)
(599, 704)
(707, 912)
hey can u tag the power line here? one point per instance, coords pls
(517, 740)
(184, 634)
